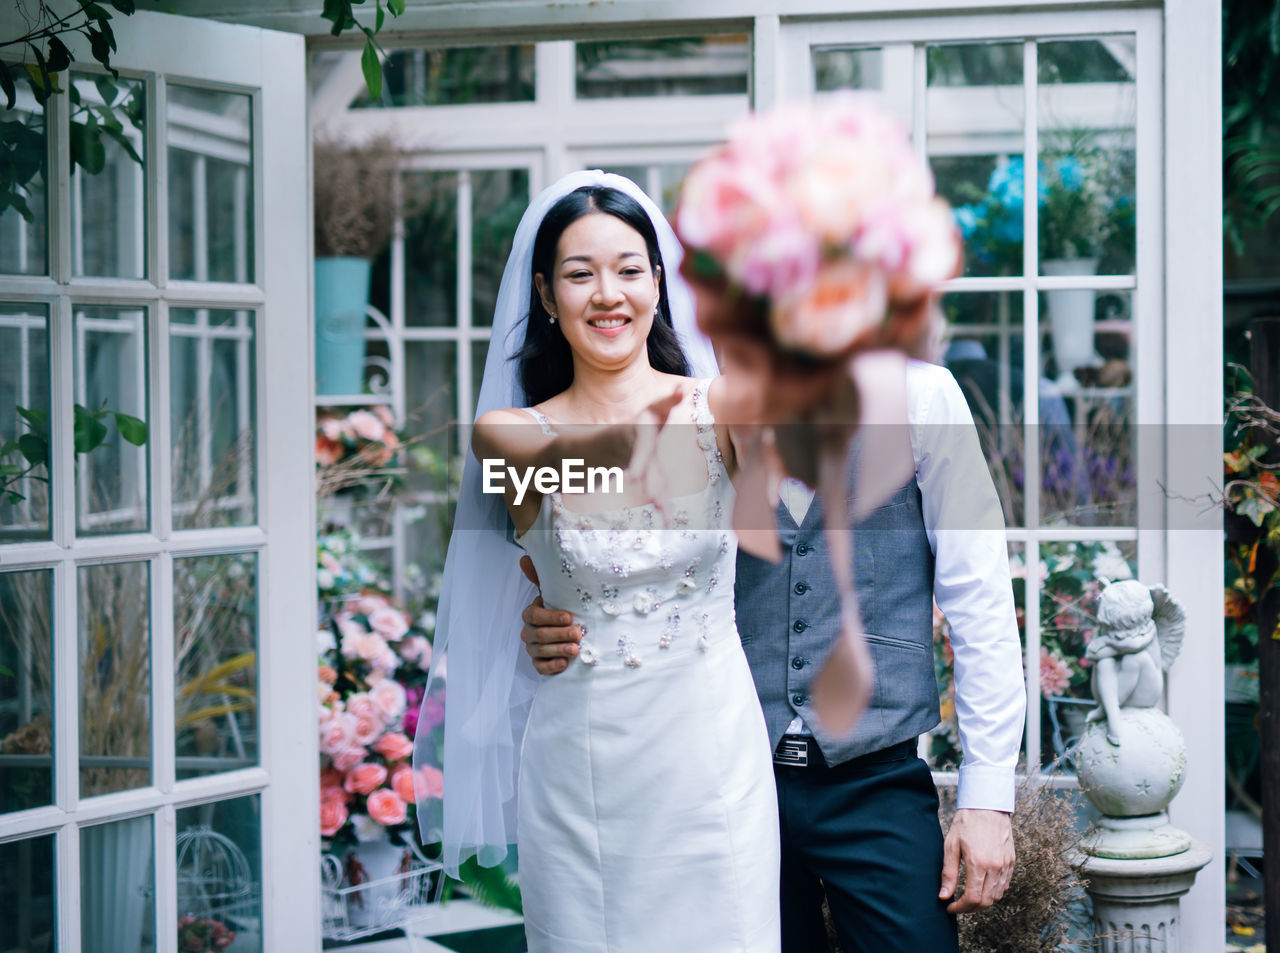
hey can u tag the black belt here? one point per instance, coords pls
(801, 751)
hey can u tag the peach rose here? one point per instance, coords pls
(327, 674)
(394, 746)
(431, 781)
(387, 808)
(334, 792)
(368, 728)
(330, 777)
(360, 704)
(337, 734)
(389, 623)
(846, 299)
(333, 814)
(402, 784)
(327, 451)
(366, 425)
(365, 778)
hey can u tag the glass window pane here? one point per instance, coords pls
(479, 351)
(975, 120)
(676, 66)
(498, 199)
(219, 863)
(111, 420)
(431, 250)
(984, 352)
(943, 750)
(1087, 106)
(26, 691)
(28, 894)
(24, 422)
(115, 677)
(1088, 427)
(216, 663)
(1073, 575)
(456, 76)
(835, 69)
(661, 181)
(108, 176)
(117, 887)
(24, 211)
(432, 381)
(211, 361)
(210, 185)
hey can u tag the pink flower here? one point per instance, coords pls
(334, 791)
(328, 452)
(725, 204)
(348, 757)
(1055, 673)
(916, 244)
(365, 778)
(383, 413)
(388, 700)
(337, 733)
(361, 703)
(387, 808)
(430, 782)
(366, 425)
(333, 814)
(416, 649)
(846, 299)
(432, 713)
(368, 728)
(394, 746)
(402, 784)
(779, 262)
(389, 623)
(369, 603)
(331, 429)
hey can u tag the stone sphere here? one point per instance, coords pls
(1141, 775)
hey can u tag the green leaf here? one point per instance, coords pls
(38, 419)
(87, 149)
(107, 89)
(124, 6)
(132, 429)
(34, 448)
(6, 84)
(14, 497)
(8, 447)
(96, 12)
(372, 69)
(90, 432)
(59, 55)
(379, 16)
(10, 469)
(396, 7)
(18, 202)
(338, 12)
(1254, 507)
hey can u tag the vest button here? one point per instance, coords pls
(797, 663)
(798, 700)
(801, 588)
(802, 550)
(800, 625)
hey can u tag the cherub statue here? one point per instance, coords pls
(1139, 636)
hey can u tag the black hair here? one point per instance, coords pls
(545, 362)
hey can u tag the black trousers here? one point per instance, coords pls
(867, 832)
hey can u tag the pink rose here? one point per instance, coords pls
(394, 746)
(388, 700)
(368, 728)
(336, 734)
(430, 782)
(1055, 673)
(387, 808)
(402, 784)
(348, 757)
(327, 451)
(383, 413)
(845, 300)
(333, 814)
(334, 792)
(389, 623)
(365, 778)
(416, 649)
(365, 425)
(360, 704)
(331, 428)
(369, 603)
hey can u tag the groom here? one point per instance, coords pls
(859, 814)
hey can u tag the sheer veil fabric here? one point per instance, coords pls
(479, 667)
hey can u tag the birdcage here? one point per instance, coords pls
(377, 887)
(214, 880)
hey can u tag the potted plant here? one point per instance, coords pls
(355, 206)
(1084, 213)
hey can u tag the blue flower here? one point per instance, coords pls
(966, 219)
(1070, 173)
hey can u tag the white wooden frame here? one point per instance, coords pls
(270, 68)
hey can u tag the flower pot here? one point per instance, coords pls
(378, 901)
(342, 294)
(1071, 319)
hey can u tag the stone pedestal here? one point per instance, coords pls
(1135, 902)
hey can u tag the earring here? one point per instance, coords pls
(551, 319)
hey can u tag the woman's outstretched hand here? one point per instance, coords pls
(549, 635)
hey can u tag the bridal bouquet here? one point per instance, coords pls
(816, 246)
(818, 225)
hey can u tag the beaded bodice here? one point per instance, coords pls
(643, 582)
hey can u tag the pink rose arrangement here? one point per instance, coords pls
(370, 434)
(371, 667)
(825, 218)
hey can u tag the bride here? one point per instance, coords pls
(638, 784)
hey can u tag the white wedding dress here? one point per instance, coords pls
(647, 818)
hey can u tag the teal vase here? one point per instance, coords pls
(342, 294)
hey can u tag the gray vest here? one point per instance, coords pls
(788, 612)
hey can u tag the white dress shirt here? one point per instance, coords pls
(965, 526)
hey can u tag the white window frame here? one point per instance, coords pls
(270, 67)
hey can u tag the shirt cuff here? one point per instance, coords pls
(986, 788)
